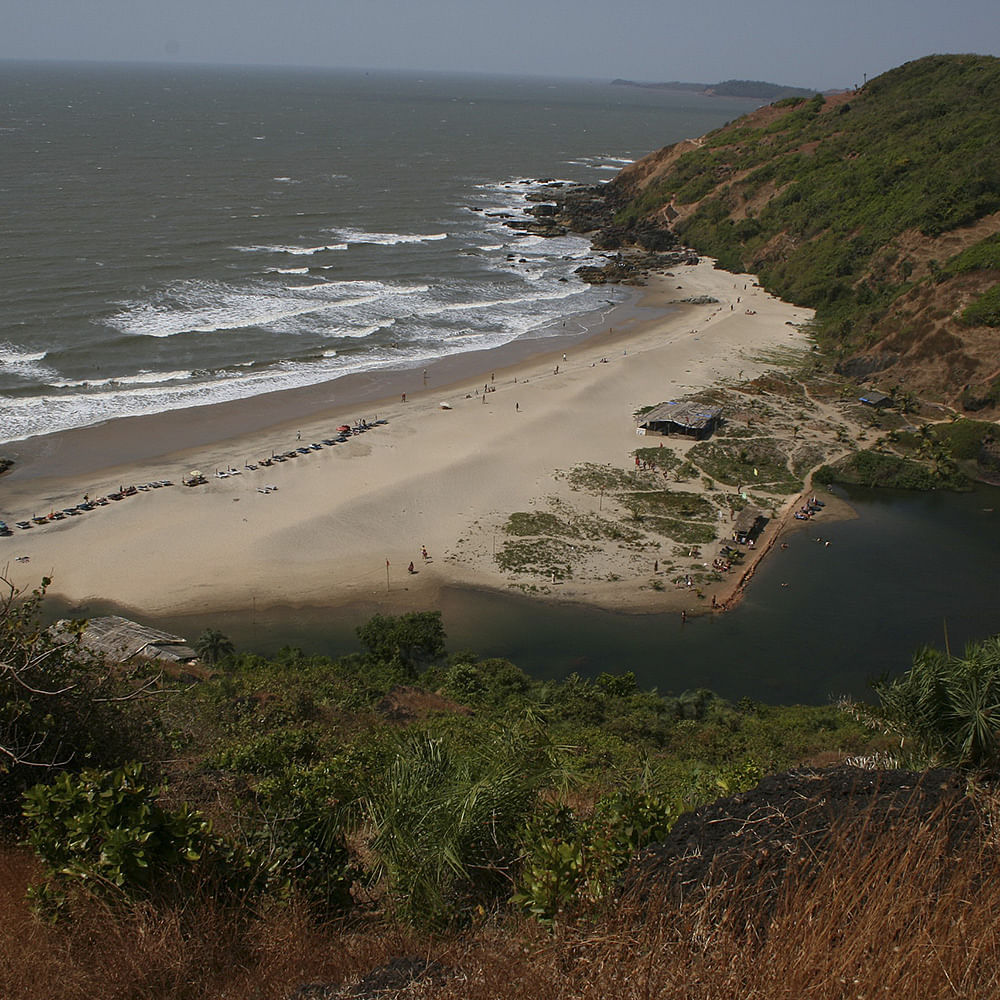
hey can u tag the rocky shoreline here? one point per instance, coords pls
(633, 251)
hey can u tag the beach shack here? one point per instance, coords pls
(682, 416)
(876, 399)
(121, 640)
(749, 525)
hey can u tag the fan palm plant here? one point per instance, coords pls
(945, 709)
(444, 822)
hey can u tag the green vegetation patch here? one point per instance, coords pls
(872, 468)
(982, 256)
(664, 503)
(537, 522)
(964, 438)
(546, 556)
(593, 527)
(596, 479)
(695, 532)
(984, 311)
(760, 462)
(664, 459)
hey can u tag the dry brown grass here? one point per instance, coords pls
(913, 915)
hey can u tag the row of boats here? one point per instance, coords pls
(344, 432)
(194, 479)
(87, 505)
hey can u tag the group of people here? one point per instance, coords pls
(812, 506)
(423, 555)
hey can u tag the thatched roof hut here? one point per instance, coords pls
(748, 525)
(683, 416)
(120, 640)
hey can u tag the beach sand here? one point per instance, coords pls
(442, 478)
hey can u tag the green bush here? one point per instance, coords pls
(300, 845)
(445, 819)
(408, 642)
(984, 311)
(572, 860)
(104, 834)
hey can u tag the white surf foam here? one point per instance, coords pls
(210, 307)
(386, 239)
(291, 249)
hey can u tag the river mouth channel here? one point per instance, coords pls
(818, 620)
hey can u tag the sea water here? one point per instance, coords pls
(181, 236)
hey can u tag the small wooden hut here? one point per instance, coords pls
(749, 525)
(876, 399)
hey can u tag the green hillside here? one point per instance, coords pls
(878, 208)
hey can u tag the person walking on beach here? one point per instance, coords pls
(423, 552)
(517, 407)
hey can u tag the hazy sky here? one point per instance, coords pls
(810, 43)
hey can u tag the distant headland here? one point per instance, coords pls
(752, 89)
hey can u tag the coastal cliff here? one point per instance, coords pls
(879, 208)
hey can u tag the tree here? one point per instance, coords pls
(212, 646)
(61, 708)
(409, 641)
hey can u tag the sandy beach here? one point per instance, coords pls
(345, 522)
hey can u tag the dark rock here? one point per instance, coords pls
(796, 818)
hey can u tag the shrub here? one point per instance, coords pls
(104, 834)
(944, 709)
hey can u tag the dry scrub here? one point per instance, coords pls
(913, 914)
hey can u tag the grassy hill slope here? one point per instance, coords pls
(880, 208)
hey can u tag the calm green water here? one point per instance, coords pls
(818, 621)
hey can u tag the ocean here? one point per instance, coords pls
(181, 236)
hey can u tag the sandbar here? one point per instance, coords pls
(441, 474)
